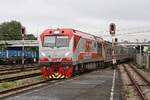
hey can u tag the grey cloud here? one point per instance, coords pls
(88, 15)
(99, 9)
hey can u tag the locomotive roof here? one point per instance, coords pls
(75, 32)
(87, 35)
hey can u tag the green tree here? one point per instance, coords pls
(138, 48)
(10, 30)
(148, 49)
(30, 37)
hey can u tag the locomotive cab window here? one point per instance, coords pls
(62, 41)
(49, 41)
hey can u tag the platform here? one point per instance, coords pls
(95, 85)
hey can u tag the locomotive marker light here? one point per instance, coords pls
(43, 54)
(112, 31)
(56, 32)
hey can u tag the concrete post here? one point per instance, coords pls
(114, 62)
(147, 61)
(141, 60)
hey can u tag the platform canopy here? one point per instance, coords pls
(134, 44)
(19, 43)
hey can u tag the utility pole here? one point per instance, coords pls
(23, 31)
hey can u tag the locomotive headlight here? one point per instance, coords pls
(43, 54)
(56, 32)
(66, 54)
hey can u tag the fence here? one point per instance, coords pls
(143, 60)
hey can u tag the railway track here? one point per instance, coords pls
(17, 78)
(9, 92)
(134, 81)
(147, 81)
(17, 70)
(5, 70)
(13, 91)
(16, 66)
(14, 78)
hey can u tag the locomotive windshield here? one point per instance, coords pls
(56, 41)
(49, 41)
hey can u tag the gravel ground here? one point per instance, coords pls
(95, 85)
(144, 72)
(18, 74)
(129, 90)
(146, 89)
(22, 82)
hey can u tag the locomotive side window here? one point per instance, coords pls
(99, 47)
(95, 44)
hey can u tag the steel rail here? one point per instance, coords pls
(17, 71)
(18, 68)
(137, 87)
(8, 79)
(148, 82)
(21, 87)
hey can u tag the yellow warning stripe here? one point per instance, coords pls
(62, 76)
(53, 75)
(50, 76)
(56, 76)
(59, 76)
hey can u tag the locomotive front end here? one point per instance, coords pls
(56, 53)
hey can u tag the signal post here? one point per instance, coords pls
(112, 31)
(23, 30)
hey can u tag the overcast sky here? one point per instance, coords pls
(91, 16)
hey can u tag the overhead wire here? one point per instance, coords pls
(128, 31)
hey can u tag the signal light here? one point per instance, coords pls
(116, 40)
(62, 32)
(50, 32)
(112, 28)
(23, 30)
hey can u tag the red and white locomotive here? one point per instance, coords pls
(65, 52)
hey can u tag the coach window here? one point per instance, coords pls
(95, 44)
(110, 51)
(99, 47)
